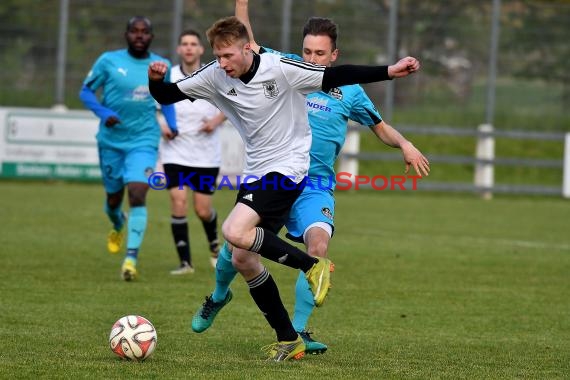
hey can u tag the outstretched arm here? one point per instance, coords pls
(242, 13)
(412, 156)
(336, 76)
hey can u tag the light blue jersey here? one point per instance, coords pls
(328, 117)
(124, 80)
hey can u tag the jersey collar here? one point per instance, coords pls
(247, 77)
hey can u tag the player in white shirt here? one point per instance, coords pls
(192, 158)
(264, 98)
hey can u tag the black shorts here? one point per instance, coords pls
(271, 198)
(200, 180)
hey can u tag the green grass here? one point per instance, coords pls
(426, 286)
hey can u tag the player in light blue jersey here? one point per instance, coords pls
(128, 134)
(311, 217)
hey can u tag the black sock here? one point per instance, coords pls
(180, 234)
(264, 292)
(211, 227)
(270, 246)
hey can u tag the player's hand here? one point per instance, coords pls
(111, 121)
(168, 134)
(403, 67)
(157, 70)
(208, 126)
(413, 157)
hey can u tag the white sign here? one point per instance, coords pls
(44, 143)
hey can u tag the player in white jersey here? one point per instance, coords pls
(311, 220)
(264, 98)
(192, 158)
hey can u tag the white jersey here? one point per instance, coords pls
(192, 147)
(268, 111)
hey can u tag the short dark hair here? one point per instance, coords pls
(189, 32)
(227, 31)
(134, 19)
(319, 26)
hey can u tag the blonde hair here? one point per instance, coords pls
(227, 31)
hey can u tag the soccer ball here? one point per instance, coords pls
(133, 337)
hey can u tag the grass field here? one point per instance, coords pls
(426, 286)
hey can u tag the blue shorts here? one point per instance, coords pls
(119, 167)
(313, 205)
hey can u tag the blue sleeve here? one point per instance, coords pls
(264, 49)
(169, 113)
(90, 101)
(363, 110)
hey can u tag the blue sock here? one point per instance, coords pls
(115, 215)
(225, 273)
(132, 254)
(304, 303)
(136, 229)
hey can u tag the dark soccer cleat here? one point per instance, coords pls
(312, 346)
(205, 316)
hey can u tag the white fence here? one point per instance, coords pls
(484, 159)
(60, 144)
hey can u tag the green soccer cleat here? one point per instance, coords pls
(319, 277)
(281, 351)
(204, 317)
(312, 346)
(129, 269)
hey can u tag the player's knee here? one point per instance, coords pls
(239, 263)
(318, 248)
(202, 212)
(179, 206)
(136, 200)
(137, 194)
(114, 200)
(233, 234)
(247, 265)
(113, 203)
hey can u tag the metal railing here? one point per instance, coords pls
(484, 160)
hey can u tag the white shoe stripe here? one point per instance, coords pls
(319, 287)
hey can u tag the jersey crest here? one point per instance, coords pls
(270, 89)
(336, 93)
(327, 212)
